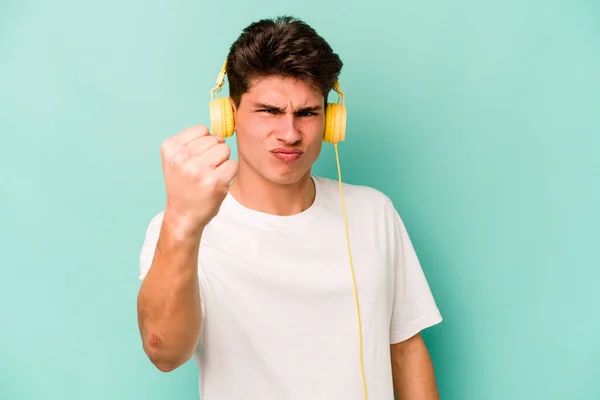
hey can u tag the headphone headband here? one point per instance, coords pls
(221, 79)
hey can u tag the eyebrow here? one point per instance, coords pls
(280, 110)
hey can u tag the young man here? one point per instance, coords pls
(247, 268)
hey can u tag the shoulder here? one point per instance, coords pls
(361, 196)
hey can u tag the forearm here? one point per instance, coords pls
(412, 370)
(169, 313)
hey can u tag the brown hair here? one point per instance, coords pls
(284, 47)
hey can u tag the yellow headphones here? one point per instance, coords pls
(221, 114)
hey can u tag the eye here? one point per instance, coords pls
(306, 114)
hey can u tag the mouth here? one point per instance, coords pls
(287, 154)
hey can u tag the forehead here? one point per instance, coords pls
(278, 90)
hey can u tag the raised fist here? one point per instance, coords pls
(197, 171)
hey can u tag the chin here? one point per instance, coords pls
(285, 179)
(285, 176)
(276, 172)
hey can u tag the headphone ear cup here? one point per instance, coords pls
(221, 118)
(335, 123)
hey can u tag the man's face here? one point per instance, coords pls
(279, 125)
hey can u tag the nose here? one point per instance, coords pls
(288, 131)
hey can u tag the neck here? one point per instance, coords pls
(255, 192)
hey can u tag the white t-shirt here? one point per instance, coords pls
(278, 301)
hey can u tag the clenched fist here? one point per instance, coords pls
(197, 171)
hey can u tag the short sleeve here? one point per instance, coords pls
(149, 244)
(414, 307)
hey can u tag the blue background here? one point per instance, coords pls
(479, 119)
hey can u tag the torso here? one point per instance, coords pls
(280, 312)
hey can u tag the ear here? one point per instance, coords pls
(234, 110)
(232, 106)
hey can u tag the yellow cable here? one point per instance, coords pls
(362, 368)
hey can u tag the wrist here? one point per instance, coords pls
(181, 227)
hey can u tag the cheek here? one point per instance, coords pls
(249, 129)
(312, 128)
(255, 125)
(313, 136)
(317, 134)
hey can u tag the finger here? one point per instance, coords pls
(193, 152)
(191, 133)
(227, 170)
(198, 147)
(215, 156)
(212, 157)
(199, 143)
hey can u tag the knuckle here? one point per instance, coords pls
(226, 149)
(179, 157)
(193, 170)
(195, 131)
(211, 140)
(220, 154)
(202, 130)
(166, 145)
(210, 182)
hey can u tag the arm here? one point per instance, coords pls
(414, 309)
(197, 173)
(169, 312)
(412, 370)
